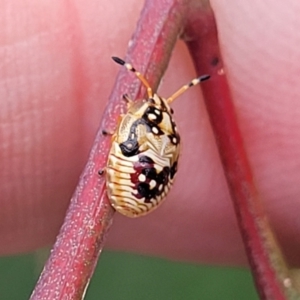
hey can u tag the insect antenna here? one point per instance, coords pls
(137, 74)
(187, 86)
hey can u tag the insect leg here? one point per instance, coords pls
(107, 132)
(101, 172)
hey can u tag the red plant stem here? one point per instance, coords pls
(268, 266)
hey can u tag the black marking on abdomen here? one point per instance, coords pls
(147, 169)
(145, 159)
(131, 146)
(173, 170)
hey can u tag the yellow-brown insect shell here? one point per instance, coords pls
(143, 158)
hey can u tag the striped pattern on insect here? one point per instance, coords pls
(143, 158)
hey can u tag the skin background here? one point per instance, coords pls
(56, 76)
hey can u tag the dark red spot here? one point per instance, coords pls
(145, 166)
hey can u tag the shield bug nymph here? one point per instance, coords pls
(143, 158)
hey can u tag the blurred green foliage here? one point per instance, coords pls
(122, 276)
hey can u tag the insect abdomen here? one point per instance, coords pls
(138, 184)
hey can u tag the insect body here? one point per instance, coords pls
(143, 158)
